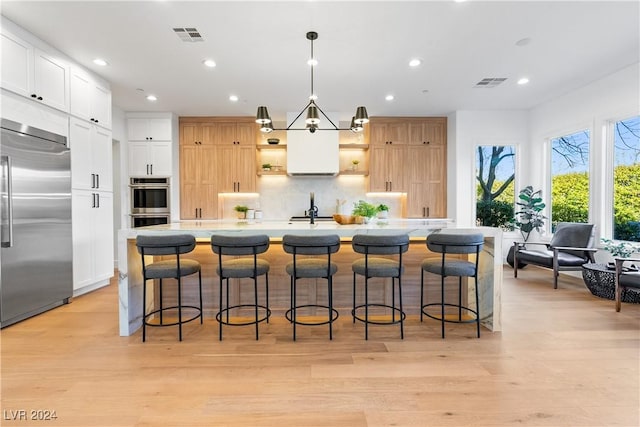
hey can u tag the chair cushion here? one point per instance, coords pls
(165, 244)
(545, 258)
(169, 268)
(378, 267)
(573, 234)
(311, 267)
(451, 268)
(242, 267)
(454, 243)
(630, 280)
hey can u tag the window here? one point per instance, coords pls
(626, 179)
(495, 174)
(570, 178)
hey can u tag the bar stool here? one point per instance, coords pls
(175, 268)
(446, 243)
(245, 264)
(371, 266)
(311, 267)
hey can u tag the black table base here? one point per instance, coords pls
(600, 280)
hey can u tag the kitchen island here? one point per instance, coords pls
(489, 280)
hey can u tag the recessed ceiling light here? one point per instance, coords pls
(389, 97)
(233, 98)
(101, 62)
(209, 63)
(415, 62)
(523, 81)
(151, 98)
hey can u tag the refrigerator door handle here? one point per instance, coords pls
(7, 241)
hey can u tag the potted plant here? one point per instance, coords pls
(266, 166)
(241, 211)
(528, 218)
(364, 210)
(620, 249)
(354, 164)
(383, 211)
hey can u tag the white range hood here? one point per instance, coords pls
(312, 154)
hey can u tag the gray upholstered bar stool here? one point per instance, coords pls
(375, 266)
(311, 259)
(174, 268)
(238, 259)
(449, 243)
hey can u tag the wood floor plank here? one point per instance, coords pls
(564, 358)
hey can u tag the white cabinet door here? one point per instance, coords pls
(138, 161)
(80, 94)
(81, 156)
(17, 64)
(101, 105)
(89, 99)
(92, 228)
(159, 129)
(101, 153)
(82, 229)
(149, 129)
(103, 237)
(159, 155)
(50, 80)
(91, 155)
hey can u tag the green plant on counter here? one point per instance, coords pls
(382, 207)
(364, 209)
(240, 208)
(266, 166)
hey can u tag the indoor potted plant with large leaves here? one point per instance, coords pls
(529, 217)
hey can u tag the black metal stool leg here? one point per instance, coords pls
(144, 310)
(266, 294)
(442, 303)
(353, 312)
(161, 310)
(477, 307)
(179, 308)
(366, 308)
(200, 283)
(255, 299)
(220, 310)
(421, 294)
(401, 311)
(460, 298)
(393, 299)
(330, 291)
(293, 306)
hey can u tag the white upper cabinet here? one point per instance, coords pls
(90, 156)
(33, 73)
(149, 129)
(90, 99)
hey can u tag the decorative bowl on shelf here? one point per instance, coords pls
(344, 219)
(273, 141)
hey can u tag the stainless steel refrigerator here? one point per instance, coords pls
(36, 255)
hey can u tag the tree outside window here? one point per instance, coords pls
(495, 174)
(570, 178)
(626, 180)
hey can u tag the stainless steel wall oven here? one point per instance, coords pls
(150, 201)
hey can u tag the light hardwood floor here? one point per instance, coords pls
(564, 358)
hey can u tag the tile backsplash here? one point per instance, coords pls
(280, 197)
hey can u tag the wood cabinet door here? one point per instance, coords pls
(208, 190)
(226, 168)
(395, 163)
(434, 132)
(378, 177)
(245, 158)
(246, 134)
(225, 133)
(189, 180)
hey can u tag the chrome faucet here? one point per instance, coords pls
(313, 209)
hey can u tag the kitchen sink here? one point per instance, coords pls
(306, 218)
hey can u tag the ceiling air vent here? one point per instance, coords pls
(188, 35)
(490, 82)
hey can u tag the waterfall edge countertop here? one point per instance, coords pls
(130, 266)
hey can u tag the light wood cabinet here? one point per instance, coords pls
(217, 155)
(386, 168)
(426, 168)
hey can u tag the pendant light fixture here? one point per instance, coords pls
(313, 119)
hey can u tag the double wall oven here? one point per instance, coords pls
(150, 198)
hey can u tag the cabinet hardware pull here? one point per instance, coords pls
(8, 242)
(93, 180)
(200, 209)
(39, 98)
(33, 95)
(98, 199)
(151, 167)
(196, 213)
(424, 211)
(428, 212)
(97, 180)
(93, 200)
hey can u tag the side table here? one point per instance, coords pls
(600, 280)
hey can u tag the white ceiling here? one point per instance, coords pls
(363, 51)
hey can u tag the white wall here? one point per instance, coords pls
(592, 107)
(468, 130)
